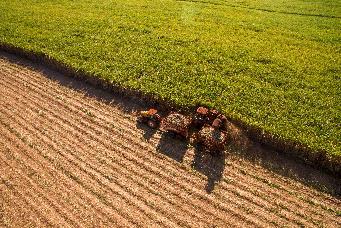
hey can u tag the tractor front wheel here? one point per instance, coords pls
(152, 124)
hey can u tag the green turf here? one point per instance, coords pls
(273, 64)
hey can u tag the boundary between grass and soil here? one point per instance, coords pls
(318, 159)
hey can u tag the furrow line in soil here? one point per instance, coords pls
(233, 164)
(18, 179)
(32, 200)
(38, 157)
(11, 205)
(85, 103)
(65, 191)
(74, 97)
(289, 197)
(141, 204)
(297, 187)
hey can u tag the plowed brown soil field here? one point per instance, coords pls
(72, 155)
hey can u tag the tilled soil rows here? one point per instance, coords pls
(68, 158)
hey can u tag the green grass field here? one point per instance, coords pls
(272, 64)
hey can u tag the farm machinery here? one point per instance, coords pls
(209, 126)
(177, 123)
(213, 131)
(150, 117)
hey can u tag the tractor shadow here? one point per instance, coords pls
(172, 147)
(212, 166)
(148, 132)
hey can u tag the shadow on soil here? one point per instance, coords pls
(148, 132)
(125, 104)
(283, 164)
(172, 147)
(210, 166)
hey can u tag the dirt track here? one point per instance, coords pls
(71, 158)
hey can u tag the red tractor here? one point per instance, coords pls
(200, 117)
(204, 116)
(150, 117)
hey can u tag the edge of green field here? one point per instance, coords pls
(272, 66)
(317, 158)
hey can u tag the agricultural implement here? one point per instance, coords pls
(212, 134)
(212, 139)
(207, 116)
(176, 123)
